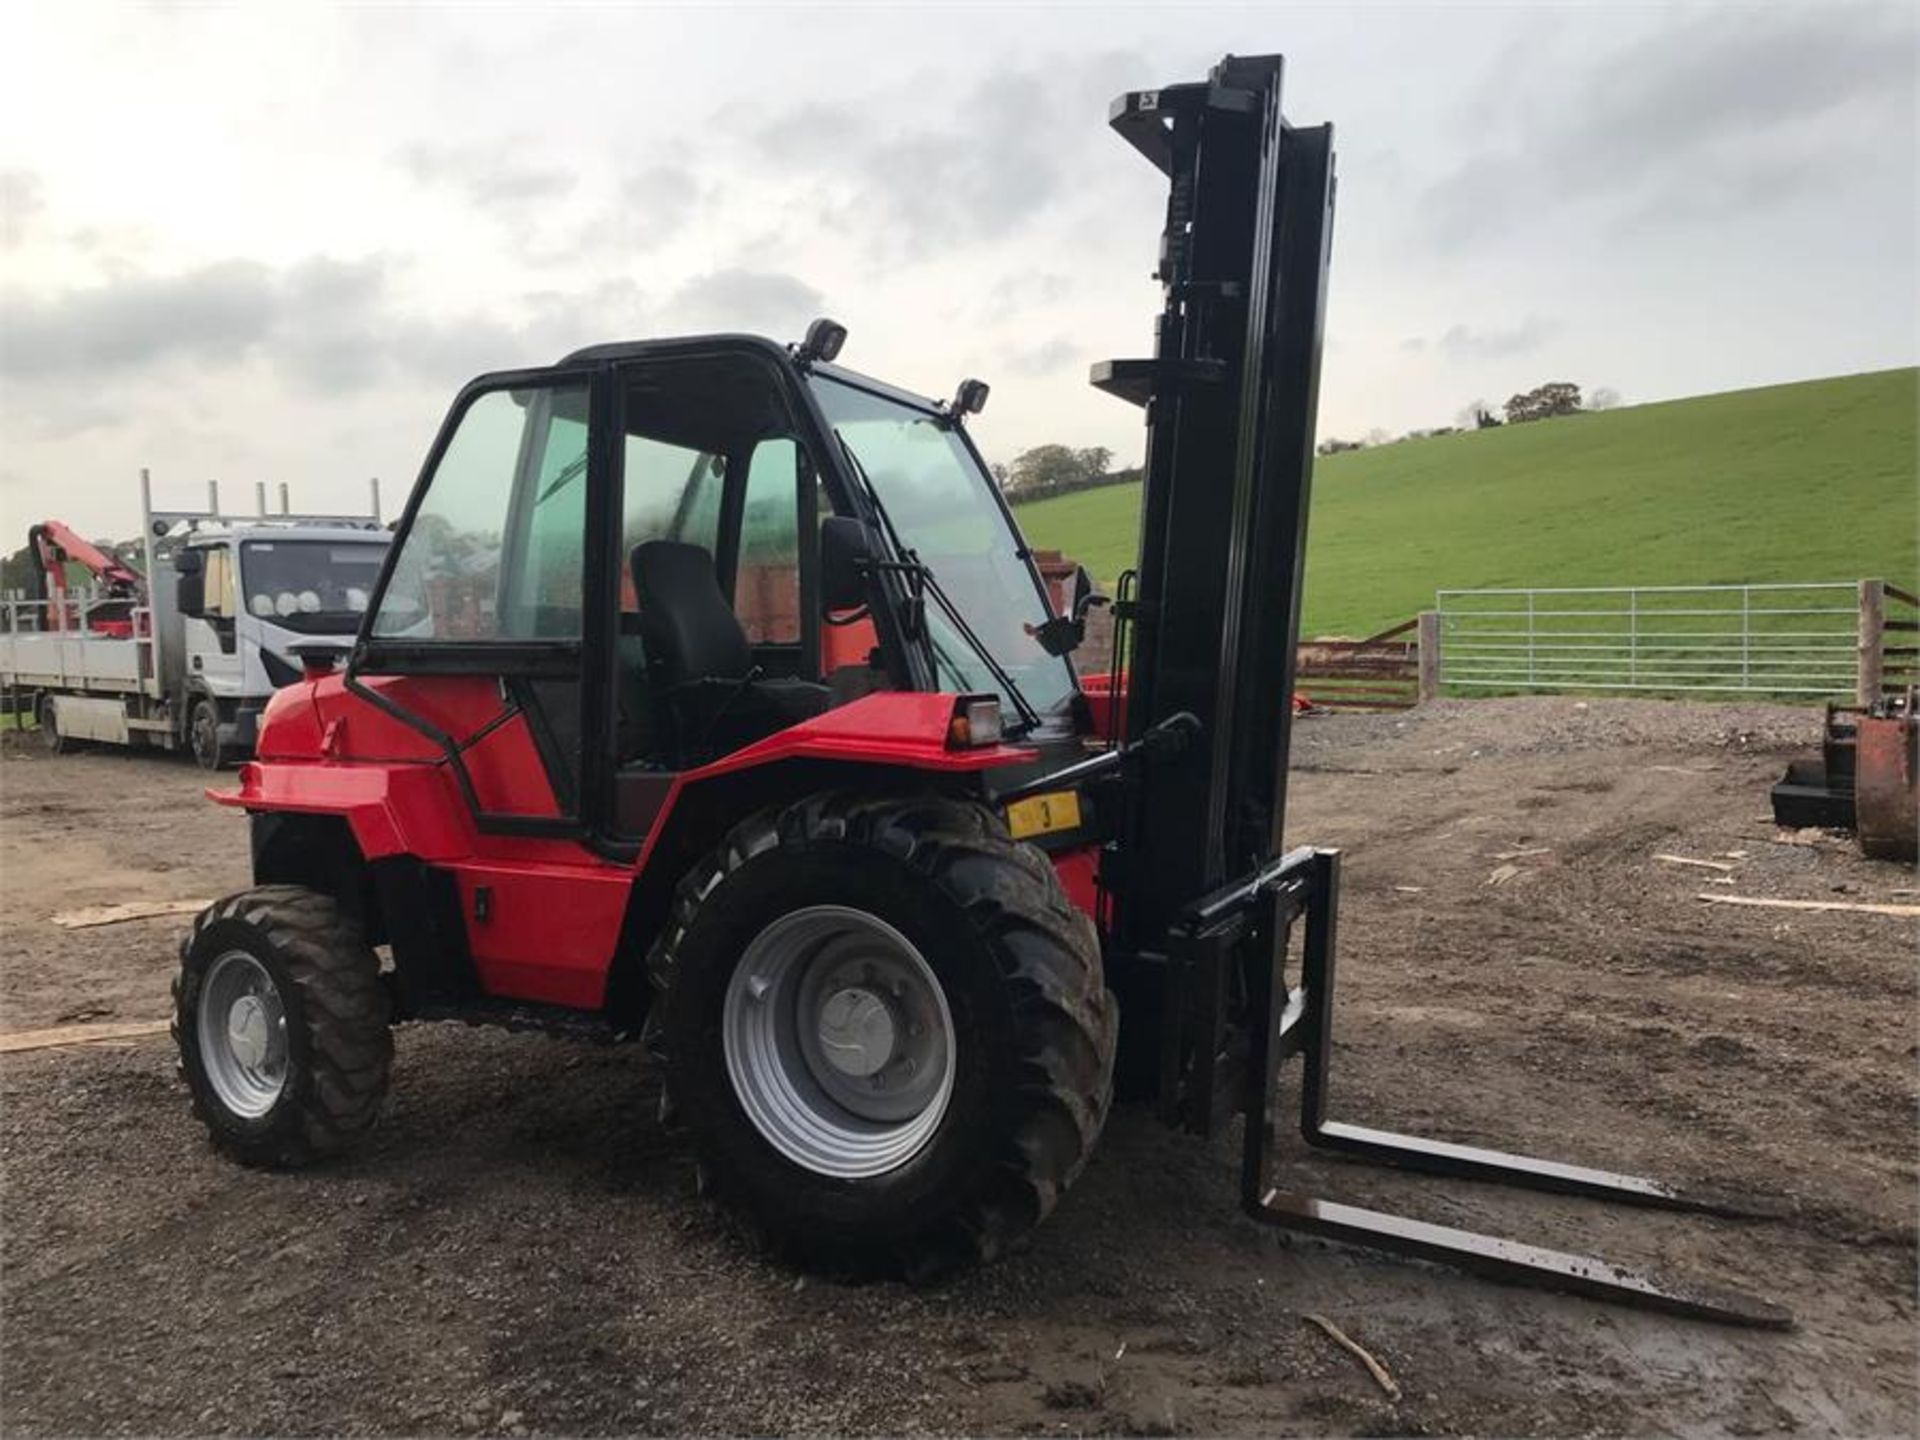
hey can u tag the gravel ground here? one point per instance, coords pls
(519, 1247)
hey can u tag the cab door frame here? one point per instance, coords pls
(603, 617)
(515, 662)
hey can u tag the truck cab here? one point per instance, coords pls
(245, 601)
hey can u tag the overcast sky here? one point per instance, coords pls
(268, 242)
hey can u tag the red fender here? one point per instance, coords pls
(550, 926)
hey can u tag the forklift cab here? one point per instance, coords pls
(630, 546)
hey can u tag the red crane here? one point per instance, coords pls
(53, 545)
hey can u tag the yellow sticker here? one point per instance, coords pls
(1044, 814)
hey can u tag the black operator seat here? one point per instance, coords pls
(708, 694)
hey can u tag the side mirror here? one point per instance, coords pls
(1062, 634)
(190, 592)
(1085, 597)
(847, 550)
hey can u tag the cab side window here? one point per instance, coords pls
(495, 548)
(218, 604)
(670, 493)
(766, 587)
(546, 594)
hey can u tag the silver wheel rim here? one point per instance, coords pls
(839, 1042)
(243, 1034)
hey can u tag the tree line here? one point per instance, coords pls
(1544, 402)
(1048, 470)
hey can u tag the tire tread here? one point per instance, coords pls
(346, 1009)
(1048, 955)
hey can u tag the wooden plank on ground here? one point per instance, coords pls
(1854, 907)
(62, 1035)
(132, 910)
(1697, 864)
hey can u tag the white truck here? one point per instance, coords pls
(188, 656)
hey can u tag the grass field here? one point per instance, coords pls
(1813, 481)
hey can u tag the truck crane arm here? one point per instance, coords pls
(53, 544)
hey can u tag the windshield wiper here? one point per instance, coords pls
(570, 472)
(921, 576)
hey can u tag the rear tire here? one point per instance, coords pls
(50, 736)
(281, 1019)
(955, 925)
(203, 732)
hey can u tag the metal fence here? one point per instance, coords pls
(1774, 639)
(1381, 672)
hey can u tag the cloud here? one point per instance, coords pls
(975, 182)
(22, 198)
(1734, 75)
(661, 200)
(1465, 345)
(324, 326)
(491, 177)
(761, 302)
(214, 313)
(813, 133)
(518, 194)
(980, 165)
(324, 333)
(1043, 359)
(1026, 291)
(915, 190)
(560, 321)
(652, 206)
(1731, 112)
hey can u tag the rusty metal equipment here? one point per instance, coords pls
(1818, 791)
(1863, 779)
(1886, 801)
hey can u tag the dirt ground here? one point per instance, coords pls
(519, 1248)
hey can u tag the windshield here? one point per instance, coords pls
(317, 587)
(945, 510)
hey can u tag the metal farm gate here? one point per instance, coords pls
(1776, 639)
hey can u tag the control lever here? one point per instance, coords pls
(720, 710)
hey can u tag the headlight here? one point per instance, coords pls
(976, 721)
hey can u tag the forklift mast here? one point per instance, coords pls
(1204, 904)
(1229, 395)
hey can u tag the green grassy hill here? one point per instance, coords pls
(1814, 481)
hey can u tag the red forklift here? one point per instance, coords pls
(710, 698)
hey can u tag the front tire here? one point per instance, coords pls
(281, 1020)
(887, 1030)
(203, 732)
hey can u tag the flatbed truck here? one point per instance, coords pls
(227, 607)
